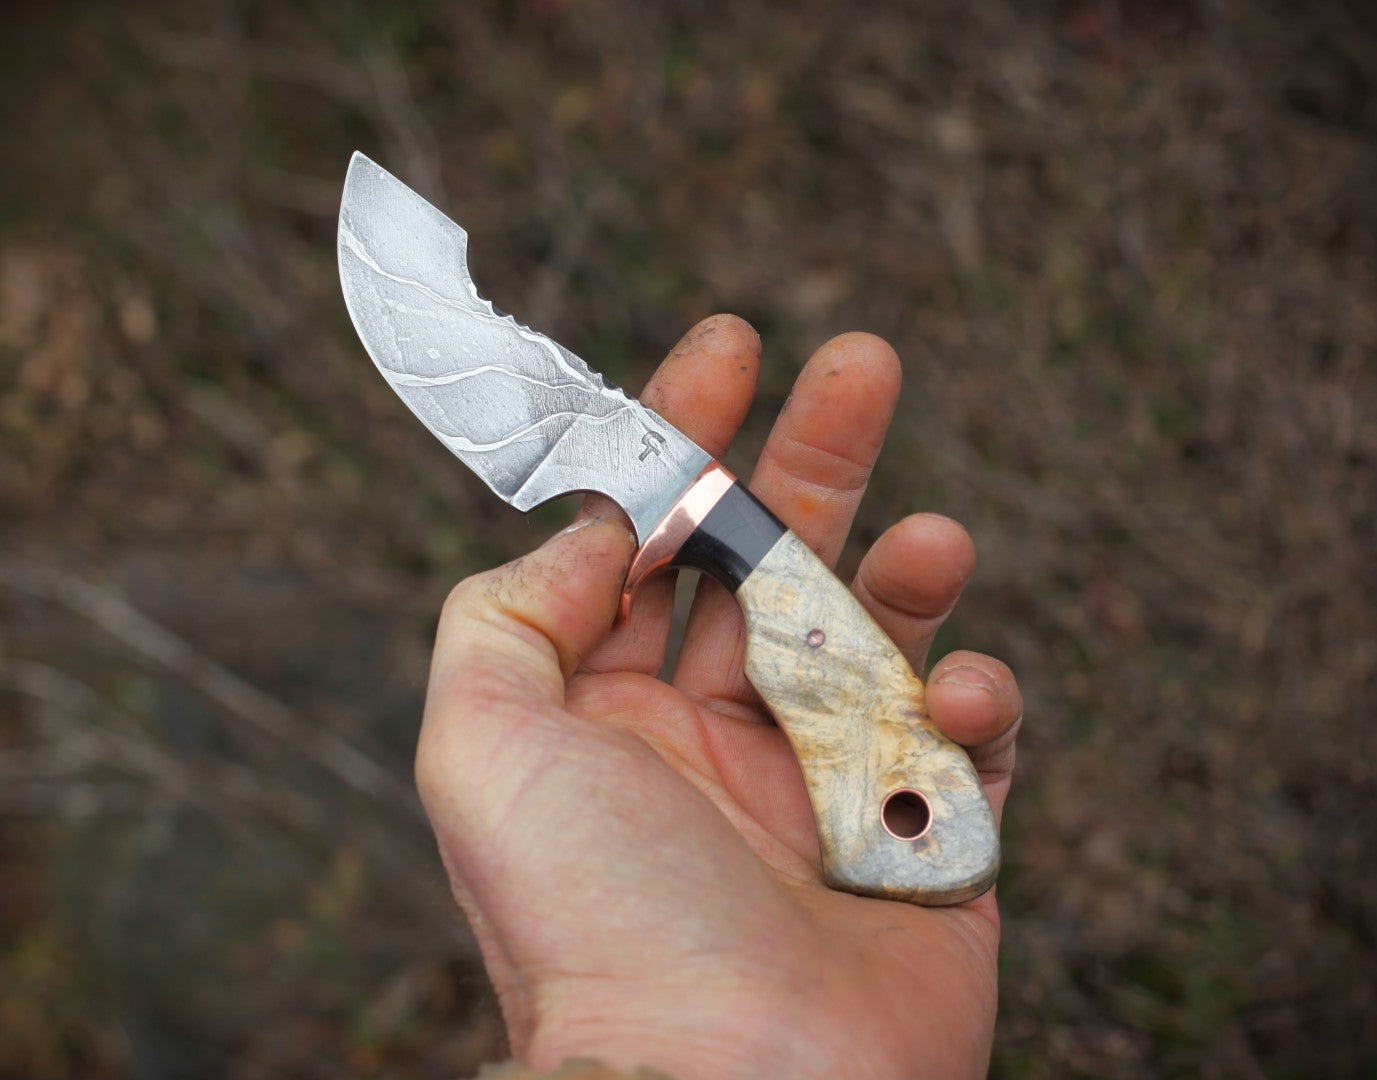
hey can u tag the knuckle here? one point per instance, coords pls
(475, 595)
(429, 769)
(460, 597)
(819, 467)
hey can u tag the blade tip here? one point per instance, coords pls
(360, 164)
(363, 173)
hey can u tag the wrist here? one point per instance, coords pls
(701, 1022)
(808, 1013)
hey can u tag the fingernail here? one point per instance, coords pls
(583, 523)
(967, 675)
(580, 523)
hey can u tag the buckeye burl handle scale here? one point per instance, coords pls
(900, 810)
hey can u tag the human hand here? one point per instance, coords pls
(637, 858)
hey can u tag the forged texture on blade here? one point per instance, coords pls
(520, 410)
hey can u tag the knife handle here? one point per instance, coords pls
(900, 810)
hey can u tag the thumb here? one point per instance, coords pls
(525, 626)
(494, 715)
(494, 720)
(507, 641)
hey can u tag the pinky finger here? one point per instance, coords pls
(974, 700)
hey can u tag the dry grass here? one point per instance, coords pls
(1128, 253)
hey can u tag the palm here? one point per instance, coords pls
(674, 816)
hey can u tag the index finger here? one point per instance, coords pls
(703, 387)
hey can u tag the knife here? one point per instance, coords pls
(900, 811)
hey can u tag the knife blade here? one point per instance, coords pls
(899, 808)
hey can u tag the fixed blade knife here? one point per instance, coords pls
(899, 808)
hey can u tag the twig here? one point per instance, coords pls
(158, 645)
(220, 788)
(69, 698)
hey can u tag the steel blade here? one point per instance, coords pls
(523, 412)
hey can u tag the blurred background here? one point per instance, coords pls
(1128, 252)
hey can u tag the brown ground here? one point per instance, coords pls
(1128, 251)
